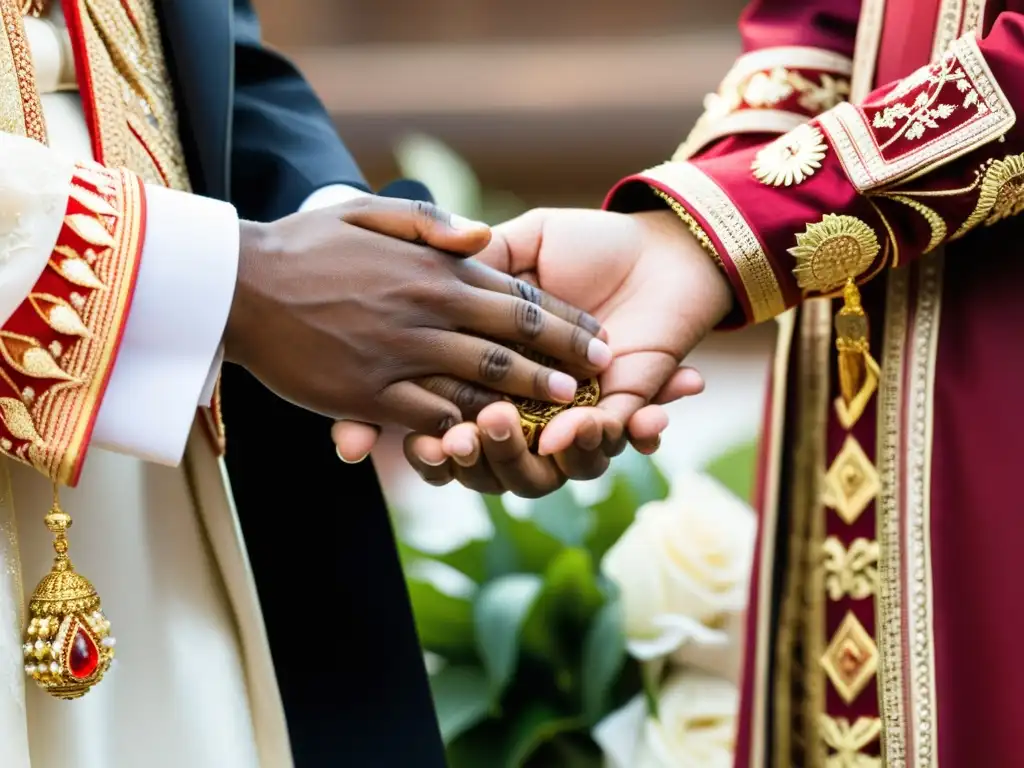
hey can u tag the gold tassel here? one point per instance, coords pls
(68, 646)
(852, 343)
(858, 371)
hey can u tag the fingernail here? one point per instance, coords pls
(498, 435)
(598, 353)
(461, 222)
(434, 463)
(462, 447)
(562, 386)
(349, 461)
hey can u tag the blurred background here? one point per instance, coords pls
(542, 103)
(529, 612)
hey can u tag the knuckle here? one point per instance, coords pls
(495, 363)
(525, 291)
(541, 376)
(445, 420)
(579, 341)
(429, 212)
(529, 319)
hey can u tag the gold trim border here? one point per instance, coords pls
(708, 201)
(889, 604)
(769, 524)
(21, 111)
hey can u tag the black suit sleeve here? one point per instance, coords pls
(374, 711)
(283, 143)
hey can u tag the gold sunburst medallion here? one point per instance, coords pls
(833, 251)
(1001, 195)
(790, 159)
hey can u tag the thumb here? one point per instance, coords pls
(354, 440)
(419, 221)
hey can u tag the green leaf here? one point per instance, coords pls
(461, 698)
(645, 479)
(650, 677)
(451, 180)
(560, 515)
(612, 516)
(517, 545)
(536, 725)
(444, 623)
(569, 599)
(604, 653)
(479, 747)
(499, 611)
(735, 469)
(470, 559)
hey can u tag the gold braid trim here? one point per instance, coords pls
(695, 228)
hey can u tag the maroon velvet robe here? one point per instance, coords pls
(887, 593)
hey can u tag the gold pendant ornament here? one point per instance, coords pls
(68, 646)
(534, 415)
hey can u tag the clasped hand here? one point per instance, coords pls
(656, 294)
(369, 311)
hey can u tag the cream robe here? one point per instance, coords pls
(193, 684)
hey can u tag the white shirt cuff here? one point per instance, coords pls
(170, 353)
(331, 195)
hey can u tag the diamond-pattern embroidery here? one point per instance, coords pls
(852, 482)
(851, 658)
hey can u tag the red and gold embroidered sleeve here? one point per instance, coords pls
(58, 347)
(919, 163)
(796, 64)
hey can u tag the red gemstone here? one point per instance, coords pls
(84, 656)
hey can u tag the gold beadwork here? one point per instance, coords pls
(850, 659)
(790, 159)
(850, 571)
(935, 222)
(695, 228)
(68, 647)
(832, 251)
(851, 482)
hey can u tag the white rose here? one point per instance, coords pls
(696, 726)
(683, 567)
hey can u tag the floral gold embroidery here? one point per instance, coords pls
(848, 741)
(850, 571)
(26, 356)
(771, 90)
(75, 270)
(833, 251)
(59, 314)
(18, 420)
(790, 159)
